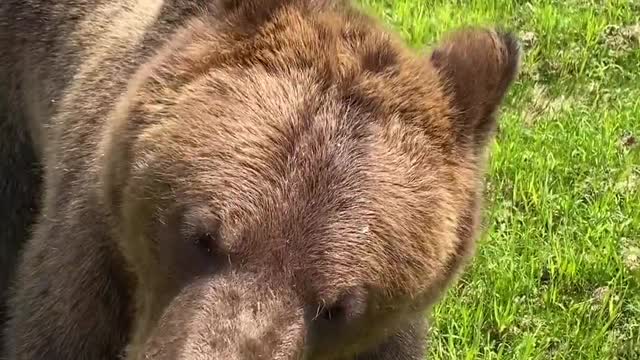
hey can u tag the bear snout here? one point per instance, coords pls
(231, 317)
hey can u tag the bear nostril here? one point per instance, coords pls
(348, 307)
(336, 322)
(204, 243)
(332, 312)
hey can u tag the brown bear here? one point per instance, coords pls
(277, 179)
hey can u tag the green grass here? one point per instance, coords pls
(556, 273)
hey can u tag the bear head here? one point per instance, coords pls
(292, 181)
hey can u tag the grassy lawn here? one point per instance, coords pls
(556, 275)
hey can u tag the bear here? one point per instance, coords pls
(242, 179)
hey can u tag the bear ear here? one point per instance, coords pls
(477, 67)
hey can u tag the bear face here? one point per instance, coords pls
(297, 184)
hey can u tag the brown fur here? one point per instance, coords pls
(244, 179)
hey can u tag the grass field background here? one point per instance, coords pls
(556, 275)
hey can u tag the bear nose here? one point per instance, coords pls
(231, 317)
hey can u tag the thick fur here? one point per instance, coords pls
(243, 179)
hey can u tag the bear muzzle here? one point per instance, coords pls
(231, 317)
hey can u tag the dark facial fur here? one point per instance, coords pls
(19, 194)
(244, 180)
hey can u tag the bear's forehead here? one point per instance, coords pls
(282, 142)
(287, 174)
(286, 158)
